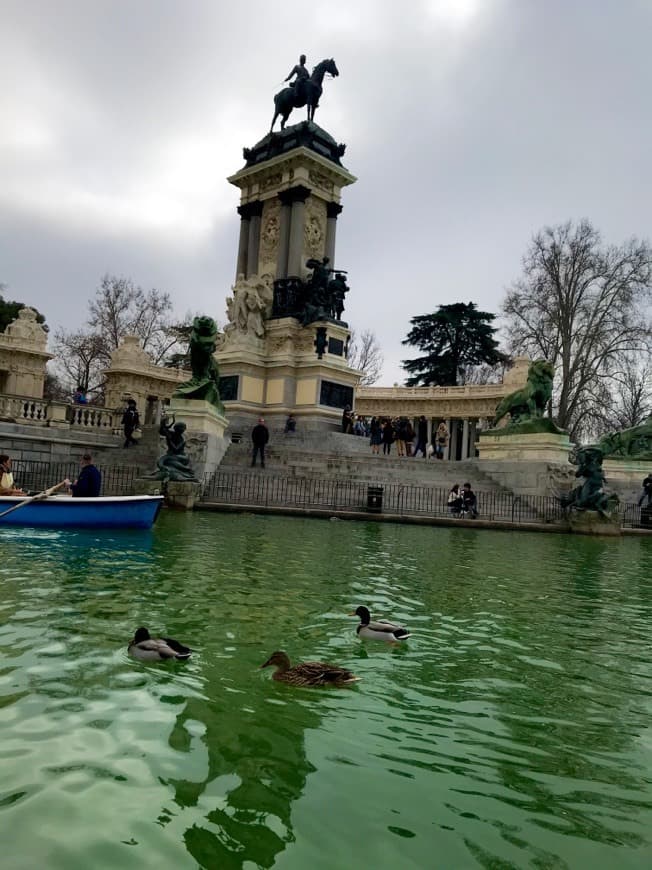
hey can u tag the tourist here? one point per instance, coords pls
(422, 437)
(89, 482)
(388, 437)
(441, 440)
(7, 486)
(347, 420)
(409, 438)
(469, 502)
(375, 435)
(290, 424)
(399, 435)
(130, 422)
(647, 491)
(455, 500)
(259, 438)
(80, 396)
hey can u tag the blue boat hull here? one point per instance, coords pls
(120, 512)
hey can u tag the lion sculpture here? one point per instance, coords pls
(205, 381)
(531, 400)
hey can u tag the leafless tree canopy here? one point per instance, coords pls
(365, 354)
(119, 308)
(583, 306)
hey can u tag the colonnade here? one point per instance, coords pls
(462, 434)
(290, 253)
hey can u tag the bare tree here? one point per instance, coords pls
(119, 308)
(581, 305)
(364, 354)
(631, 400)
(483, 374)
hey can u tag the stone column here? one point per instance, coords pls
(254, 238)
(333, 209)
(472, 438)
(465, 439)
(243, 244)
(453, 440)
(295, 254)
(284, 234)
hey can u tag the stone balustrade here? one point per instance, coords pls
(41, 412)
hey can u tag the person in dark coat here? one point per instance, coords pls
(130, 422)
(89, 482)
(259, 438)
(422, 437)
(388, 437)
(647, 491)
(469, 502)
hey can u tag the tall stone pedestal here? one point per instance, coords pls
(528, 464)
(270, 364)
(205, 442)
(593, 523)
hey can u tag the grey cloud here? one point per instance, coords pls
(123, 121)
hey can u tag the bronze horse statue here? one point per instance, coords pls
(305, 92)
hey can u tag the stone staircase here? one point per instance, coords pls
(337, 456)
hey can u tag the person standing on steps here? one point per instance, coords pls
(422, 437)
(130, 422)
(259, 438)
(441, 440)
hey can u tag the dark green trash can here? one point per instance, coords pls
(375, 499)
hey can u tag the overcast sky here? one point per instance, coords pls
(470, 124)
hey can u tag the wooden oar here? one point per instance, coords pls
(39, 497)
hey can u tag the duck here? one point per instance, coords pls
(308, 674)
(381, 630)
(156, 649)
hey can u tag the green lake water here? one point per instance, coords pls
(512, 730)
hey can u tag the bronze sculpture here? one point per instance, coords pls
(205, 381)
(633, 443)
(530, 401)
(305, 91)
(591, 495)
(174, 465)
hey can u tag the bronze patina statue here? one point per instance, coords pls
(592, 494)
(205, 381)
(633, 443)
(174, 465)
(305, 91)
(530, 401)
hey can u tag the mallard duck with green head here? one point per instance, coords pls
(156, 649)
(308, 673)
(380, 630)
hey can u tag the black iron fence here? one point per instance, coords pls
(263, 489)
(34, 476)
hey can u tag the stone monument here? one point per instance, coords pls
(284, 347)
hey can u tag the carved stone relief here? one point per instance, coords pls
(321, 180)
(315, 228)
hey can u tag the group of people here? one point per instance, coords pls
(87, 485)
(463, 503)
(409, 442)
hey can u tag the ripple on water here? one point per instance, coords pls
(512, 729)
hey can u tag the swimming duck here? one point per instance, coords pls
(156, 649)
(308, 673)
(381, 630)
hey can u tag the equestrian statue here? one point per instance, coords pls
(305, 90)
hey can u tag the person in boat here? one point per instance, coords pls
(7, 486)
(89, 482)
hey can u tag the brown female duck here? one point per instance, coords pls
(308, 673)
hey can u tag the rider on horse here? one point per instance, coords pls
(302, 75)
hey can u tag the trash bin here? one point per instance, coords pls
(375, 499)
(646, 518)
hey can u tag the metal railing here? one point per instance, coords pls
(263, 489)
(34, 476)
